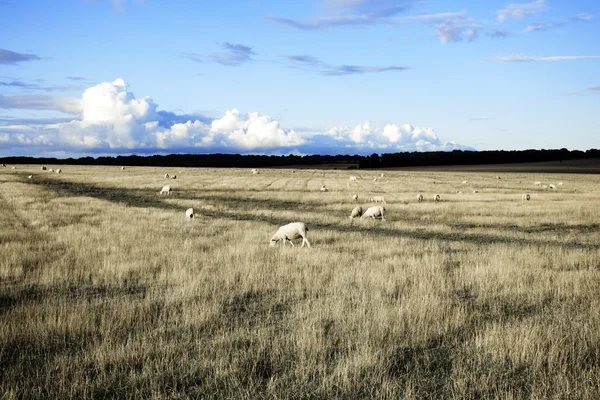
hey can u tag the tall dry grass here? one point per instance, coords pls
(106, 290)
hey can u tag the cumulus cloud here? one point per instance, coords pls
(521, 10)
(313, 64)
(110, 119)
(544, 59)
(12, 57)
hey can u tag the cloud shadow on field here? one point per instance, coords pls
(151, 198)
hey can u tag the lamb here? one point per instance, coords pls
(526, 196)
(323, 188)
(189, 213)
(374, 213)
(436, 198)
(419, 197)
(167, 176)
(355, 197)
(58, 171)
(378, 199)
(294, 230)
(356, 212)
(43, 168)
(166, 190)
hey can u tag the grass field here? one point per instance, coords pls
(106, 290)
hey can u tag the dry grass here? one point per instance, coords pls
(106, 290)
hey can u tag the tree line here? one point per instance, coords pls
(387, 160)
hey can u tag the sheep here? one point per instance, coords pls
(254, 171)
(355, 197)
(51, 170)
(294, 230)
(544, 186)
(378, 199)
(374, 213)
(3, 165)
(436, 198)
(189, 213)
(526, 196)
(560, 183)
(552, 186)
(498, 177)
(293, 171)
(122, 168)
(323, 188)
(356, 212)
(382, 174)
(352, 178)
(166, 190)
(174, 177)
(475, 191)
(374, 179)
(58, 171)
(167, 176)
(13, 167)
(30, 176)
(419, 197)
(537, 183)
(464, 182)
(43, 168)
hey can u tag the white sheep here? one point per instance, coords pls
(382, 174)
(464, 182)
(355, 197)
(552, 186)
(560, 183)
(356, 212)
(374, 213)
(174, 177)
(30, 176)
(526, 196)
(122, 168)
(58, 171)
(537, 183)
(167, 176)
(254, 171)
(378, 199)
(352, 178)
(475, 191)
(13, 168)
(374, 179)
(544, 186)
(51, 170)
(43, 168)
(3, 165)
(166, 190)
(294, 230)
(436, 198)
(293, 171)
(420, 197)
(498, 177)
(323, 188)
(189, 213)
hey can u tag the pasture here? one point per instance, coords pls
(107, 290)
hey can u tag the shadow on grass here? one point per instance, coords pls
(151, 198)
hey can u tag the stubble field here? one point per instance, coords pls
(106, 290)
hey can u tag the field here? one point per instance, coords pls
(107, 291)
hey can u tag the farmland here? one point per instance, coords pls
(107, 290)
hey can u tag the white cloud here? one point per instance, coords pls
(542, 59)
(112, 120)
(521, 10)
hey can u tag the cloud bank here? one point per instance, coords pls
(109, 119)
(12, 58)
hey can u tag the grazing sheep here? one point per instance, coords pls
(174, 177)
(498, 177)
(378, 199)
(436, 197)
(537, 183)
(51, 170)
(189, 213)
(30, 176)
(475, 191)
(58, 171)
(294, 230)
(293, 171)
(323, 188)
(356, 212)
(3, 165)
(458, 192)
(374, 213)
(419, 197)
(122, 168)
(352, 178)
(166, 190)
(355, 197)
(464, 182)
(43, 168)
(167, 176)
(13, 167)
(382, 174)
(526, 196)
(254, 171)
(560, 183)
(374, 179)
(552, 186)
(544, 186)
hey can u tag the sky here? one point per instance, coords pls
(108, 77)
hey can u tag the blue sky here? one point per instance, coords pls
(84, 77)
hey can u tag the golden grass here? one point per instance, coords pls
(106, 290)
